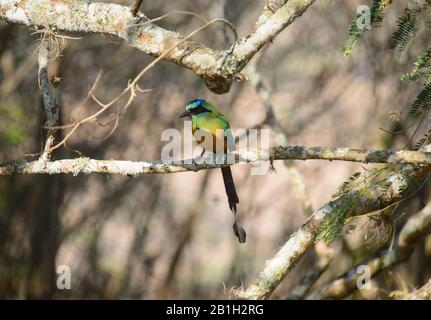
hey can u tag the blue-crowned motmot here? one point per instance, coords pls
(209, 119)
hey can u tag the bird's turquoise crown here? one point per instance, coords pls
(196, 107)
(194, 104)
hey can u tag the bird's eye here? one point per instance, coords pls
(200, 109)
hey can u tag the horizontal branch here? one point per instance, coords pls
(217, 68)
(134, 168)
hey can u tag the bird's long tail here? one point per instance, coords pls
(229, 185)
(233, 200)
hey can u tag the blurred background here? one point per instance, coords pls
(170, 236)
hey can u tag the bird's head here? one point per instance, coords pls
(197, 107)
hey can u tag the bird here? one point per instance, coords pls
(207, 118)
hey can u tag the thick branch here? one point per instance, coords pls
(85, 165)
(216, 67)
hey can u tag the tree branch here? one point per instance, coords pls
(325, 254)
(135, 7)
(49, 98)
(217, 68)
(86, 165)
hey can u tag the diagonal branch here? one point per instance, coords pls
(217, 68)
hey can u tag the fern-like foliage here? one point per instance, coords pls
(346, 198)
(408, 26)
(423, 141)
(373, 182)
(347, 186)
(423, 101)
(410, 184)
(355, 32)
(333, 224)
(361, 186)
(421, 67)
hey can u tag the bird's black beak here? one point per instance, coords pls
(186, 113)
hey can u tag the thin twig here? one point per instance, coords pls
(135, 7)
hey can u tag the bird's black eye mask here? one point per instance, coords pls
(198, 110)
